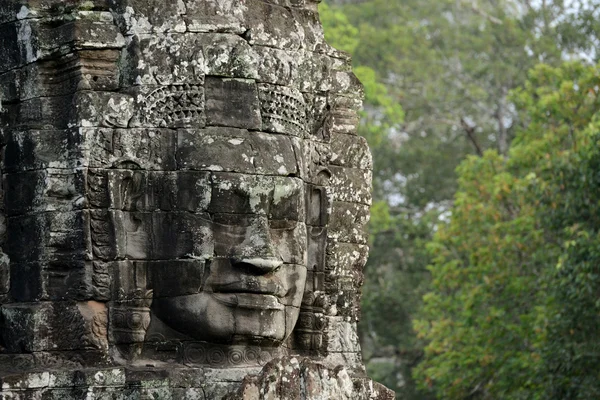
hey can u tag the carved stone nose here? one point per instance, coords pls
(257, 251)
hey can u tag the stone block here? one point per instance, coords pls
(49, 235)
(42, 281)
(342, 336)
(314, 38)
(165, 278)
(345, 260)
(13, 53)
(317, 206)
(4, 274)
(45, 113)
(348, 222)
(176, 277)
(318, 116)
(277, 66)
(216, 16)
(345, 114)
(236, 150)
(316, 157)
(102, 234)
(162, 236)
(30, 40)
(54, 326)
(94, 30)
(205, 150)
(135, 190)
(45, 190)
(129, 280)
(351, 185)
(150, 16)
(102, 109)
(9, 89)
(350, 151)
(228, 55)
(143, 148)
(64, 75)
(346, 83)
(39, 149)
(282, 110)
(312, 72)
(169, 59)
(83, 109)
(278, 198)
(273, 26)
(233, 103)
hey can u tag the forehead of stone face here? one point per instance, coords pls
(239, 150)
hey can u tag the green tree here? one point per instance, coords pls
(451, 65)
(501, 320)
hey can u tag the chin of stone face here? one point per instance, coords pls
(184, 201)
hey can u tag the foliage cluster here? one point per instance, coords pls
(452, 65)
(513, 312)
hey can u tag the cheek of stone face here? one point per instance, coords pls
(291, 243)
(199, 316)
(293, 278)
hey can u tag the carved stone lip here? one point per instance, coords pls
(253, 286)
(249, 301)
(262, 264)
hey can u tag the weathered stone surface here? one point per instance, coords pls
(351, 185)
(348, 222)
(53, 235)
(184, 202)
(233, 103)
(350, 151)
(40, 327)
(304, 379)
(203, 150)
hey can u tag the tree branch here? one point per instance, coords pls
(470, 131)
(482, 13)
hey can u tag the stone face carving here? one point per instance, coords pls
(183, 192)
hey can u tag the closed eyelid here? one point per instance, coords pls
(283, 224)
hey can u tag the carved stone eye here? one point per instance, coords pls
(127, 164)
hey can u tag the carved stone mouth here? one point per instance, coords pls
(252, 287)
(249, 301)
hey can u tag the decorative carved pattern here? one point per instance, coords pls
(102, 234)
(130, 318)
(100, 327)
(210, 354)
(129, 323)
(97, 188)
(311, 322)
(283, 110)
(175, 106)
(101, 280)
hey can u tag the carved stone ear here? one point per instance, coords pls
(323, 176)
(317, 206)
